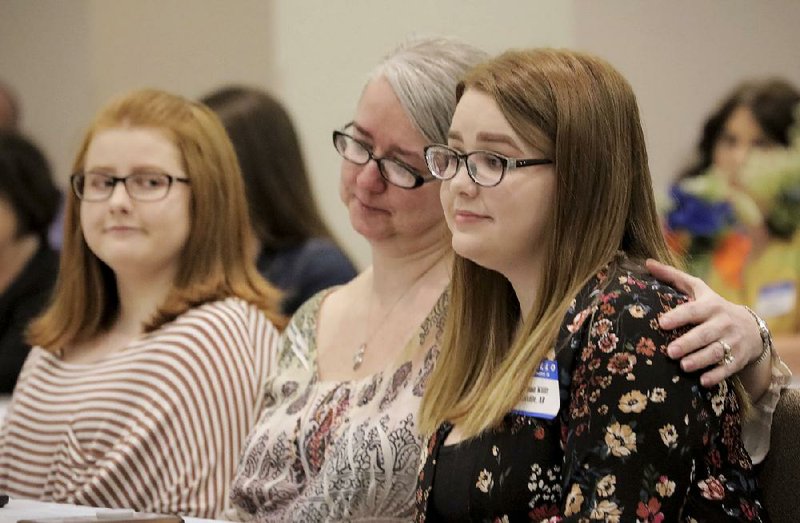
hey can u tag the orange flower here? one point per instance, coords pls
(730, 257)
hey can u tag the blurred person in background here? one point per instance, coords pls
(29, 201)
(296, 250)
(744, 244)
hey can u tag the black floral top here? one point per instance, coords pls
(635, 438)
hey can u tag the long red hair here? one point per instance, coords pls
(217, 259)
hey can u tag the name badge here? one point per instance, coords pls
(542, 398)
(776, 299)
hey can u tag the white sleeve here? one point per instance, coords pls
(757, 427)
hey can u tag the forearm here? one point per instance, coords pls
(788, 346)
(757, 426)
(757, 376)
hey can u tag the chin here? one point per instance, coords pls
(472, 251)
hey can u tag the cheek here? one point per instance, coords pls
(87, 216)
(432, 203)
(183, 216)
(347, 177)
(347, 173)
(718, 154)
(8, 221)
(446, 200)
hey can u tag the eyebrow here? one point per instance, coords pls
(498, 138)
(454, 135)
(393, 150)
(107, 169)
(490, 138)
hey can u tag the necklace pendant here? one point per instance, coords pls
(358, 357)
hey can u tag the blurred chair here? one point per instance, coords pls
(780, 472)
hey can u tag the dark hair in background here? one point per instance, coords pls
(282, 207)
(772, 103)
(27, 184)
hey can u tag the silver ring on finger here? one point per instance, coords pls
(727, 353)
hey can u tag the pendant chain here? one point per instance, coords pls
(358, 357)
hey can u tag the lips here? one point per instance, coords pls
(120, 228)
(369, 208)
(463, 215)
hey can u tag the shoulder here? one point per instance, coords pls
(627, 291)
(229, 311)
(639, 293)
(621, 307)
(38, 360)
(322, 253)
(320, 246)
(298, 341)
(228, 324)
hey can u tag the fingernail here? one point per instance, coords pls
(686, 365)
(672, 350)
(705, 381)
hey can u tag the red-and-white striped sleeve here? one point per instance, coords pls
(157, 426)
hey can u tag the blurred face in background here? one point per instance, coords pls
(8, 224)
(740, 135)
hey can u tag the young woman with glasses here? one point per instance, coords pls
(149, 363)
(554, 395)
(339, 439)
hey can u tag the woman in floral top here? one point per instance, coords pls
(553, 398)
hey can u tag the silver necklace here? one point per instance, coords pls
(358, 357)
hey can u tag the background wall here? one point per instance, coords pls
(683, 56)
(66, 59)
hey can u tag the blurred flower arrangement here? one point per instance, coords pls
(710, 221)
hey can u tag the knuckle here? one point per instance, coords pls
(708, 337)
(719, 353)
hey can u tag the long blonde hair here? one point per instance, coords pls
(587, 113)
(217, 260)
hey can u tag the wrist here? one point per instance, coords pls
(766, 339)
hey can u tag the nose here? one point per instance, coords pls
(740, 155)
(369, 178)
(119, 200)
(462, 183)
(738, 159)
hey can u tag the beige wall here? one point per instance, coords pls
(68, 57)
(683, 56)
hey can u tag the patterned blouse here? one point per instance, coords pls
(333, 450)
(635, 438)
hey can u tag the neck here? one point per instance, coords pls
(525, 278)
(139, 299)
(14, 256)
(393, 273)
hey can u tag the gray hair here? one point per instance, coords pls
(424, 73)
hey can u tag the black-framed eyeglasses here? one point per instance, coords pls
(485, 168)
(392, 170)
(140, 186)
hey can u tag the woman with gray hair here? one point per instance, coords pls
(339, 439)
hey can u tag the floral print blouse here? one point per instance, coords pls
(635, 437)
(336, 451)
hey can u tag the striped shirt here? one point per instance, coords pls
(157, 426)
